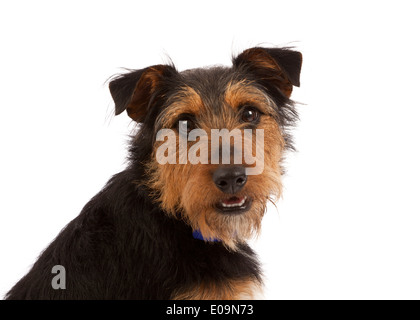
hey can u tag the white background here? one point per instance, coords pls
(348, 224)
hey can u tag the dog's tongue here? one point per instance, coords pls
(233, 200)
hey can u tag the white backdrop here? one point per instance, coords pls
(348, 224)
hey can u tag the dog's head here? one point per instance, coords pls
(212, 139)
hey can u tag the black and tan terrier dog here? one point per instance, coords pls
(169, 226)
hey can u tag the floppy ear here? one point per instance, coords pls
(279, 66)
(135, 90)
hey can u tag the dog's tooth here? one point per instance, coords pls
(231, 205)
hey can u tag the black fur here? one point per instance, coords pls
(122, 245)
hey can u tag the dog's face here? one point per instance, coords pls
(217, 137)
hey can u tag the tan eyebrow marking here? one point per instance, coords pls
(240, 93)
(187, 100)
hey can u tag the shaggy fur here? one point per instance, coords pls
(133, 240)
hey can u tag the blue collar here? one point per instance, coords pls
(198, 235)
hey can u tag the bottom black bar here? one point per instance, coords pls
(246, 309)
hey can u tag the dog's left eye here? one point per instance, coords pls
(250, 114)
(185, 124)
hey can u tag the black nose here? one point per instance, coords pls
(230, 179)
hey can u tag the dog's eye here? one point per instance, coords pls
(185, 123)
(250, 114)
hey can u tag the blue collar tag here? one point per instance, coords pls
(197, 235)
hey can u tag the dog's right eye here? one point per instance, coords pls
(185, 123)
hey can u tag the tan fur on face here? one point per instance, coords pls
(187, 100)
(187, 191)
(243, 93)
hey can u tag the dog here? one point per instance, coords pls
(173, 224)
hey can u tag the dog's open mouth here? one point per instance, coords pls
(234, 205)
